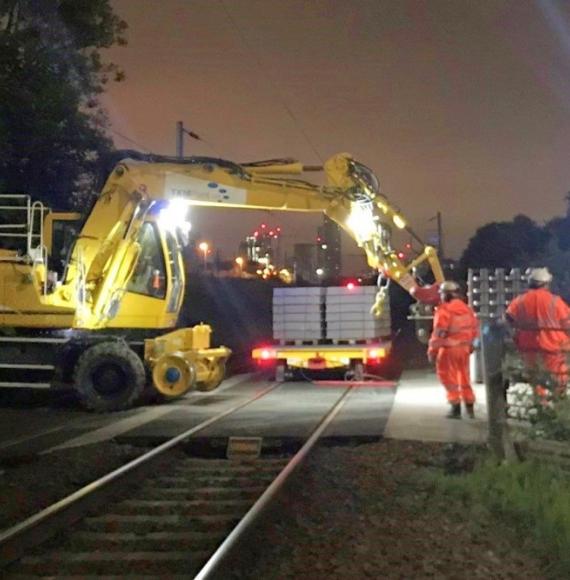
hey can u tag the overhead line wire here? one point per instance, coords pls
(271, 81)
(129, 139)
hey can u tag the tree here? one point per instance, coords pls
(559, 228)
(506, 244)
(52, 126)
(557, 261)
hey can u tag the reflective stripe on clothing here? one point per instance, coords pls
(454, 324)
(452, 367)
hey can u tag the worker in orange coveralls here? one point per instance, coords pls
(541, 321)
(455, 328)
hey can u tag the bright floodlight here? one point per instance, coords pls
(203, 247)
(361, 221)
(319, 271)
(399, 221)
(174, 216)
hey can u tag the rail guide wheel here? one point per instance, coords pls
(109, 376)
(216, 373)
(173, 376)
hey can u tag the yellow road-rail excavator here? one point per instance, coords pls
(93, 304)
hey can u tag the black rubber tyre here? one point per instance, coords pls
(109, 377)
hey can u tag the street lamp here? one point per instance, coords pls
(204, 247)
(319, 271)
(240, 262)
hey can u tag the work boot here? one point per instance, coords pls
(454, 412)
(469, 407)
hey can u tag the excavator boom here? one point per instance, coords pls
(106, 250)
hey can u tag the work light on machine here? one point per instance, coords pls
(361, 221)
(174, 216)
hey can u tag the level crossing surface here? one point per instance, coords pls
(419, 409)
(414, 409)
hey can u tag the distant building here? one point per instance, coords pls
(329, 252)
(251, 248)
(263, 246)
(305, 263)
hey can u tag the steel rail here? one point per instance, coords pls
(226, 550)
(15, 540)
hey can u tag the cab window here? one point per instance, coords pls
(64, 235)
(149, 277)
(174, 261)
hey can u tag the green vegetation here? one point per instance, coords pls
(532, 496)
(552, 421)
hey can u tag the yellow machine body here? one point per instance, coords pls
(124, 268)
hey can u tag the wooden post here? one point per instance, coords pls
(493, 349)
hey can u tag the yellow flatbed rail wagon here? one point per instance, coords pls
(327, 328)
(358, 359)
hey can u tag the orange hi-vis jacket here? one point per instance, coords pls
(541, 321)
(454, 324)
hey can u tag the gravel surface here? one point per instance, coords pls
(352, 512)
(370, 512)
(30, 483)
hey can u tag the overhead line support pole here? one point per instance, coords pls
(179, 139)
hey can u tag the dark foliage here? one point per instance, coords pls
(52, 127)
(506, 244)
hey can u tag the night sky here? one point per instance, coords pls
(459, 106)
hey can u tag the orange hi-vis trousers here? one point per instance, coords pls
(452, 366)
(552, 362)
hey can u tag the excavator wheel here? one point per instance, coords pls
(109, 376)
(217, 375)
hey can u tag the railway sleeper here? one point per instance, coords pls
(251, 473)
(151, 542)
(173, 507)
(225, 464)
(221, 481)
(136, 563)
(204, 493)
(145, 523)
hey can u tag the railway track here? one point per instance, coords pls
(160, 515)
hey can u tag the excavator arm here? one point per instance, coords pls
(107, 250)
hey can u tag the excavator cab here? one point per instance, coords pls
(59, 234)
(154, 293)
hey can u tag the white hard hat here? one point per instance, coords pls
(449, 286)
(540, 275)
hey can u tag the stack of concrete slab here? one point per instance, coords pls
(348, 314)
(297, 314)
(491, 291)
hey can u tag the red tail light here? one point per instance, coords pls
(374, 356)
